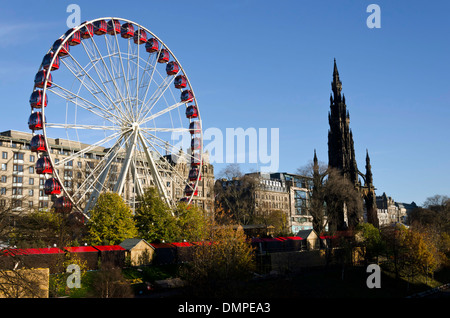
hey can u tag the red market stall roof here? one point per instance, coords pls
(295, 238)
(162, 245)
(202, 243)
(109, 248)
(182, 244)
(80, 249)
(32, 251)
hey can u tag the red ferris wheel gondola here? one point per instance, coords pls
(194, 127)
(37, 100)
(37, 144)
(64, 49)
(180, 81)
(87, 30)
(140, 36)
(189, 190)
(48, 59)
(195, 143)
(194, 173)
(192, 111)
(172, 68)
(100, 27)
(35, 121)
(163, 56)
(196, 159)
(52, 186)
(127, 30)
(187, 96)
(75, 38)
(113, 27)
(39, 79)
(62, 205)
(43, 165)
(152, 45)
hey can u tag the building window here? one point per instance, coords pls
(31, 181)
(4, 155)
(32, 158)
(30, 192)
(4, 179)
(30, 204)
(18, 168)
(31, 169)
(4, 166)
(3, 191)
(16, 191)
(18, 156)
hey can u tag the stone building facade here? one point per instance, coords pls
(22, 189)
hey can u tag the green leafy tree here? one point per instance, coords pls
(157, 222)
(191, 222)
(111, 220)
(154, 219)
(370, 238)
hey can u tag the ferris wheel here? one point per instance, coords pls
(107, 101)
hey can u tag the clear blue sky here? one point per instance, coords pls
(268, 64)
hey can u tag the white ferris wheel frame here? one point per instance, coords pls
(134, 132)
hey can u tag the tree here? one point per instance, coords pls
(157, 222)
(221, 263)
(370, 238)
(191, 222)
(434, 214)
(410, 252)
(340, 195)
(236, 195)
(109, 282)
(317, 207)
(111, 220)
(41, 229)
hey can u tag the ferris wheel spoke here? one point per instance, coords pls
(98, 176)
(78, 126)
(90, 84)
(167, 166)
(127, 89)
(105, 109)
(77, 100)
(81, 153)
(161, 112)
(166, 129)
(147, 107)
(166, 145)
(114, 93)
(112, 78)
(103, 76)
(150, 79)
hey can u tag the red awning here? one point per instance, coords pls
(80, 249)
(182, 244)
(162, 245)
(32, 251)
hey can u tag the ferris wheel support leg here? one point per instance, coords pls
(99, 185)
(156, 177)
(139, 188)
(118, 188)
